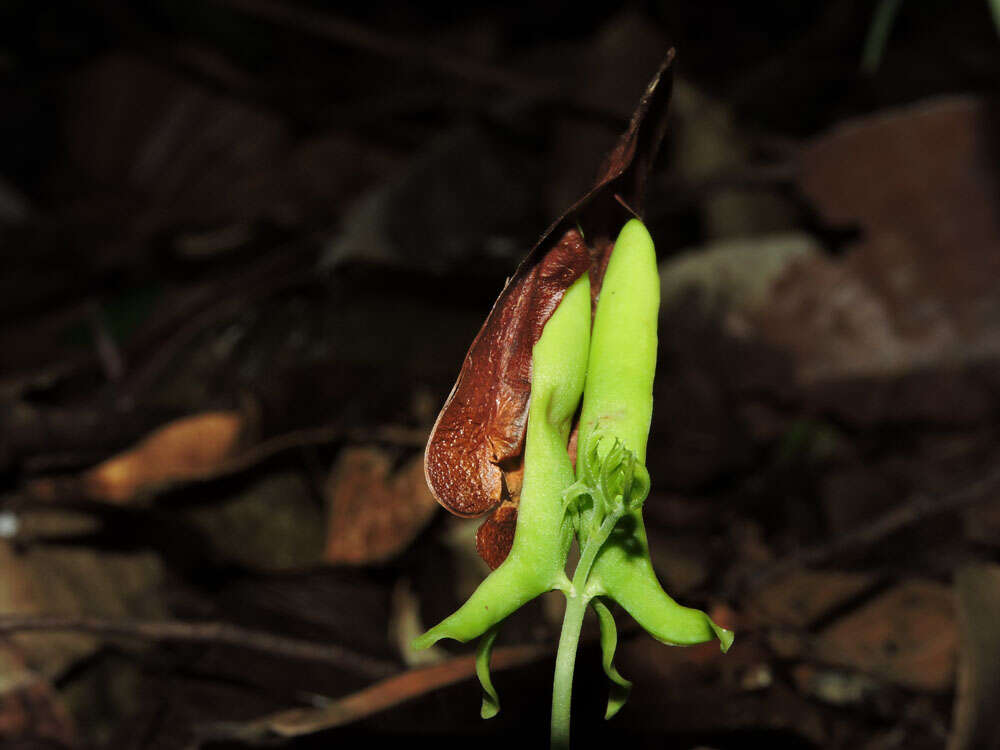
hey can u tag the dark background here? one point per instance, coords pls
(245, 244)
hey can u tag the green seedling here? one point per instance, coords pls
(600, 503)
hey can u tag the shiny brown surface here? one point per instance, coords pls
(496, 535)
(483, 421)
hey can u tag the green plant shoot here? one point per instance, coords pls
(600, 503)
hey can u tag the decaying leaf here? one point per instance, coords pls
(374, 513)
(907, 636)
(477, 440)
(917, 288)
(801, 597)
(271, 524)
(74, 581)
(187, 448)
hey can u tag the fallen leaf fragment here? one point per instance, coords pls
(271, 524)
(921, 178)
(917, 288)
(185, 449)
(373, 512)
(976, 722)
(73, 581)
(802, 597)
(906, 636)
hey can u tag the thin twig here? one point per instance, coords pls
(396, 435)
(919, 507)
(390, 435)
(202, 632)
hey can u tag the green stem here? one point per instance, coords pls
(562, 684)
(592, 546)
(569, 638)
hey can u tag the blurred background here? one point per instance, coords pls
(246, 243)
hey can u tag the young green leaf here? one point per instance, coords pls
(620, 687)
(484, 650)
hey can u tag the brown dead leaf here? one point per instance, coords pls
(271, 523)
(907, 636)
(185, 449)
(922, 179)
(976, 721)
(478, 436)
(54, 580)
(374, 513)
(918, 287)
(801, 597)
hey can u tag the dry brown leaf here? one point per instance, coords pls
(920, 180)
(271, 523)
(801, 597)
(74, 581)
(907, 636)
(918, 287)
(374, 513)
(187, 448)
